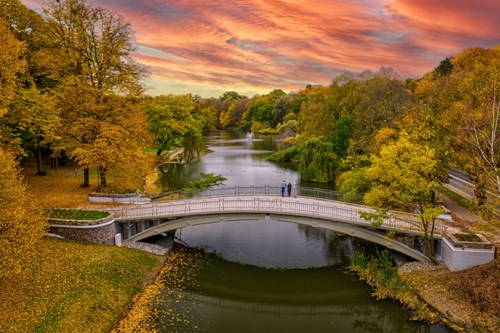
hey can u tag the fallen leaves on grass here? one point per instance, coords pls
(73, 287)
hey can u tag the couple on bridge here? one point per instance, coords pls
(287, 187)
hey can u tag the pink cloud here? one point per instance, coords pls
(288, 43)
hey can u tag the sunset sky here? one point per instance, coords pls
(207, 47)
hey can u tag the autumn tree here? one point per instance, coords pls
(36, 121)
(377, 103)
(285, 104)
(22, 222)
(30, 28)
(463, 93)
(316, 118)
(99, 84)
(405, 175)
(11, 64)
(477, 112)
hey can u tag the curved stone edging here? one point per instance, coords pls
(100, 231)
(69, 223)
(130, 198)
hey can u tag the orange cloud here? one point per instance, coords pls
(254, 45)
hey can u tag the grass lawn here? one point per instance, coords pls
(74, 287)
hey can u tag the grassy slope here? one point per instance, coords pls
(73, 287)
(70, 286)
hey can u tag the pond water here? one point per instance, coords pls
(270, 276)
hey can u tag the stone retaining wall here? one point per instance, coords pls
(459, 257)
(99, 231)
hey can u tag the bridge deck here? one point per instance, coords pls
(296, 206)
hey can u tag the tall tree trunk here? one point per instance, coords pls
(86, 177)
(102, 176)
(39, 170)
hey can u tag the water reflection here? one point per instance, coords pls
(231, 155)
(270, 276)
(230, 297)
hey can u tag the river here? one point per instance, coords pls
(270, 276)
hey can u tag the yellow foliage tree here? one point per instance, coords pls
(99, 87)
(22, 222)
(11, 65)
(405, 174)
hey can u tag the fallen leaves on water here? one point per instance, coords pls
(161, 306)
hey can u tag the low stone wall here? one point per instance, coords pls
(97, 231)
(458, 256)
(130, 198)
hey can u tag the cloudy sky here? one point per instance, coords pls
(207, 47)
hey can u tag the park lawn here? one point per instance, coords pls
(74, 287)
(59, 188)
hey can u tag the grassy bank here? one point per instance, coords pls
(73, 287)
(467, 301)
(380, 273)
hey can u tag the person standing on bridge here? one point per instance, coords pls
(289, 189)
(283, 186)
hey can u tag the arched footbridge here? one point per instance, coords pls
(147, 220)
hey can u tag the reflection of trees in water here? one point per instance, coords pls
(383, 322)
(193, 149)
(175, 176)
(339, 246)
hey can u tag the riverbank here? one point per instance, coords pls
(467, 301)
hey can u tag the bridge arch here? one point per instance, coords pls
(334, 224)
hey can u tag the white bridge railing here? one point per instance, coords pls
(300, 206)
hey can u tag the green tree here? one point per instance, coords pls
(260, 111)
(230, 95)
(341, 135)
(285, 104)
(314, 159)
(22, 222)
(170, 119)
(405, 174)
(445, 67)
(377, 103)
(353, 183)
